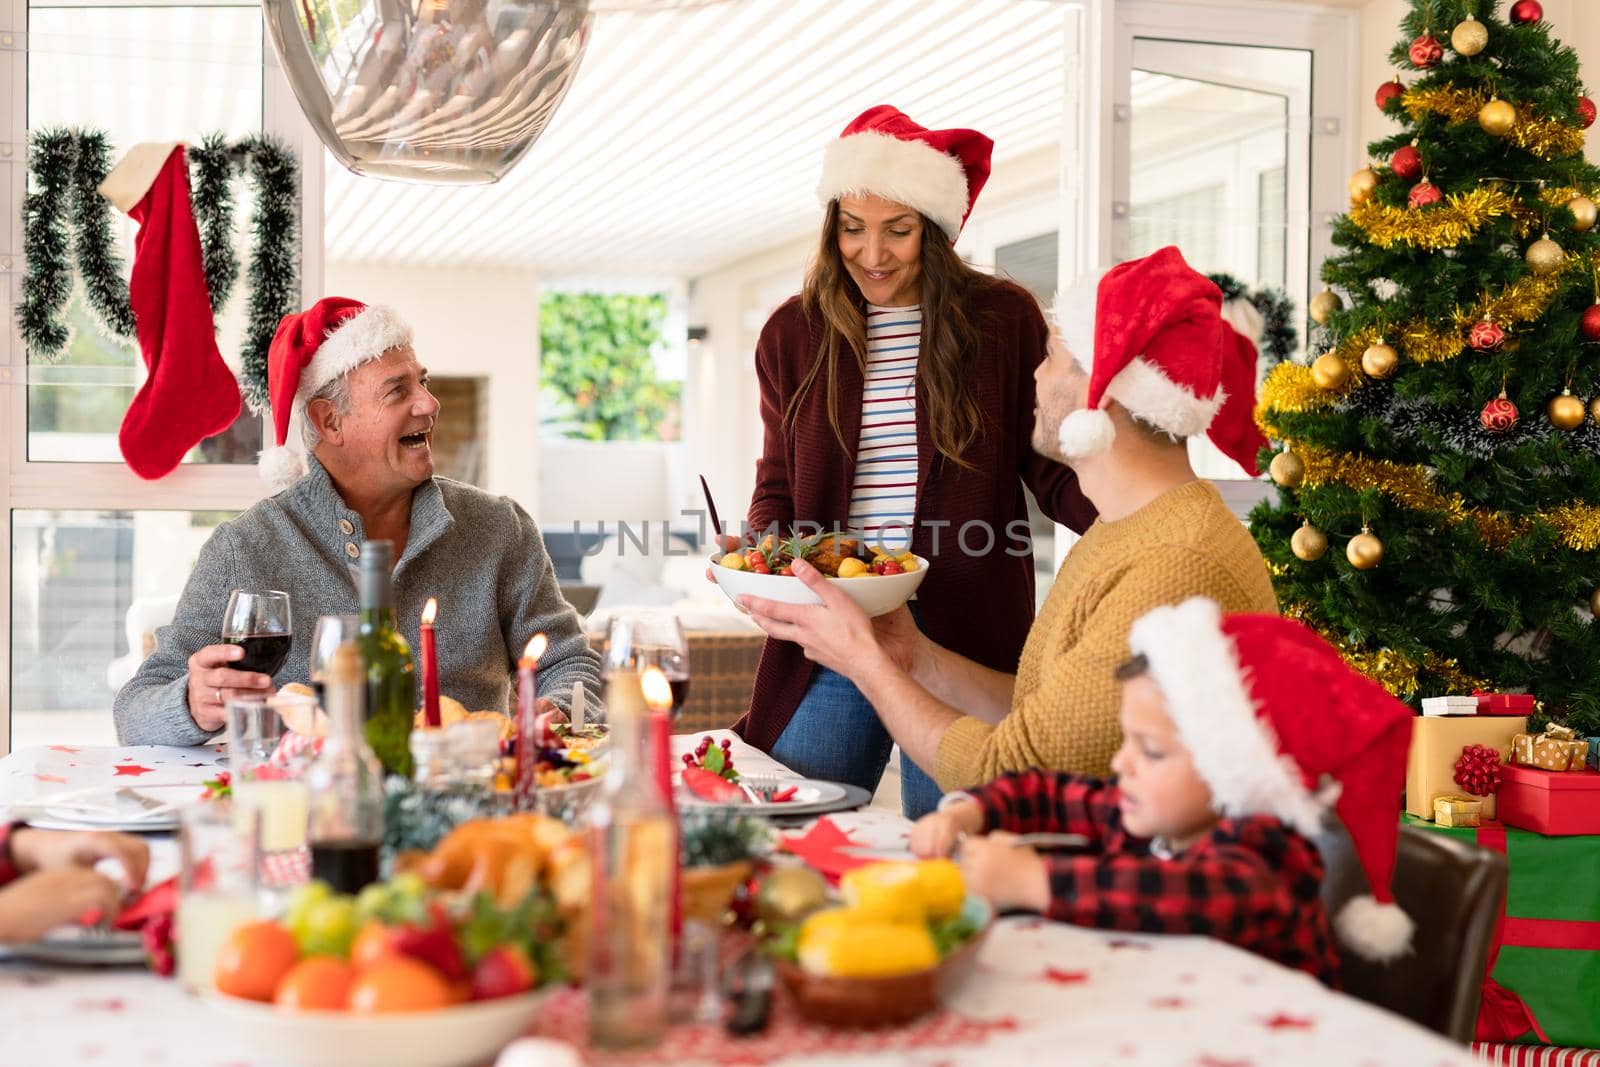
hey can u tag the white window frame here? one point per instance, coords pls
(29, 485)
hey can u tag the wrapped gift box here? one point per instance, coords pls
(1553, 803)
(1449, 705)
(1557, 749)
(1460, 810)
(1504, 703)
(1436, 744)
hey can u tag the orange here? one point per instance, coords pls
(254, 959)
(320, 983)
(399, 985)
(373, 945)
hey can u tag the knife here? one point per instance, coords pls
(1041, 841)
(716, 523)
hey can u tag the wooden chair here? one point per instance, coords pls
(1452, 891)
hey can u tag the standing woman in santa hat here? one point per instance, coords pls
(897, 401)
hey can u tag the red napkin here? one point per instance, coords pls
(823, 848)
(157, 900)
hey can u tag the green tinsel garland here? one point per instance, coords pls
(66, 168)
(1278, 335)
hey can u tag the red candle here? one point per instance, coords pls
(658, 699)
(527, 717)
(430, 665)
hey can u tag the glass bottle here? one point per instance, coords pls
(391, 682)
(345, 782)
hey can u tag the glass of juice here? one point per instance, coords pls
(216, 886)
(269, 791)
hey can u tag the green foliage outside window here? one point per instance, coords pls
(599, 374)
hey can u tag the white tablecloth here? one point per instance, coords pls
(1040, 992)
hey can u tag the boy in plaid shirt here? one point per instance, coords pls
(1239, 733)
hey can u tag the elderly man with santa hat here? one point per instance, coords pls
(347, 387)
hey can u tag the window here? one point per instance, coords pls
(607, 371)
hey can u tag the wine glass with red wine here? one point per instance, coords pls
(259, 623)
(639, 639)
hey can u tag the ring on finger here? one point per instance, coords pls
(219, 696)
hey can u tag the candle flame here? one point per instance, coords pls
(535, 649)
(657, 690)
(430, 611)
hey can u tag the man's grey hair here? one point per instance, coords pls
(337, 393)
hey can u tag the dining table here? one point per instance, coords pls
(1036, 991)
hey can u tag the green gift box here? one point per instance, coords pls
(1549, 949)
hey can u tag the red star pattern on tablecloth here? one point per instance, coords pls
(131, 770)
(1281, 1021)
(1169, 1003)
(63, 748)
(112, 1004)
(1053, 974)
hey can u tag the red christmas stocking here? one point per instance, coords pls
(190, 393)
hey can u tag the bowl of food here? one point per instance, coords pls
(905, 935)
(877, 581)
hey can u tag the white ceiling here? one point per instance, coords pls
(691, 139)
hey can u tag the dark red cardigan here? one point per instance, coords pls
(978, 605)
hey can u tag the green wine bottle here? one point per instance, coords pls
(391, 681)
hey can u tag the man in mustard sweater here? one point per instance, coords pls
(1118, 394)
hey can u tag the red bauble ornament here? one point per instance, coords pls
(1590, 326)
(1478, 770)
(1389, 90)
(1586, 111)
(1426, 51)
(1424, 193)
(1499, 415)
(1486, 336)
(1407, 163)
(1526, 11)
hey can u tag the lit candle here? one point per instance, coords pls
(430, 665)
(658, 701)
(527, 716)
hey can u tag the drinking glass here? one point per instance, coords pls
(217, 851)
(331, 632)
(636, 640)
(259, 623)
(267, 791)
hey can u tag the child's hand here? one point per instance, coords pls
(1008, 875)
(43, 850)
(38, 903)
(935, 835)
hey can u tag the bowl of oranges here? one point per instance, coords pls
(397, 976)
(877, 580)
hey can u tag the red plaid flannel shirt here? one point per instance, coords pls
(1253, 882)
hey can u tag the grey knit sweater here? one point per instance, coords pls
(482, 556)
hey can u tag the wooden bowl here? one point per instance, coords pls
(864, 1003)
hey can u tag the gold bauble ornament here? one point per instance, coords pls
(1594, 409)
(789, 894)
(1565, 411)
(1323, 305)
(1497, 117)
(1329, 371)
(1380, 360)
(1308, 543)
(1364, 551)
(1594, 603)
(1584, 213)
(1545, 256)
(1469, 37)
(1287, 470)
(1362, 184)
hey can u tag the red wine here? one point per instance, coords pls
(347, 866)
(263, 653)
(680, 693)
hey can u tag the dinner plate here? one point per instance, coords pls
(83, 947)
(812, 797)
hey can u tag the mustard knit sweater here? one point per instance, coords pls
(1064, 709)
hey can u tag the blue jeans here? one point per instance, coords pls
(836, 736)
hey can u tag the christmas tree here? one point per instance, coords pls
(1438, 513)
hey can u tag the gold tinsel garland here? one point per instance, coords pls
(1548, 139)
(1460, 217)
(1390, 668)
(1577, 524)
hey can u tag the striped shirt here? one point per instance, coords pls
(883, 498)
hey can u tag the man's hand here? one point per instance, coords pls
(33, 906)
(835, 633)
(49, 850)
(936, 834)
(212, 683)
(1010, 876)
(900, 639)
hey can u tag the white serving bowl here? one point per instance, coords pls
(876, 594)
(466, 1035)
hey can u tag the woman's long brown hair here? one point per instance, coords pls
(949, 336)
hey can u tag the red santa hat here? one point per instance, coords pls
(1154, 336)
(884, 153)
(1277, 724)
(310, 349)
